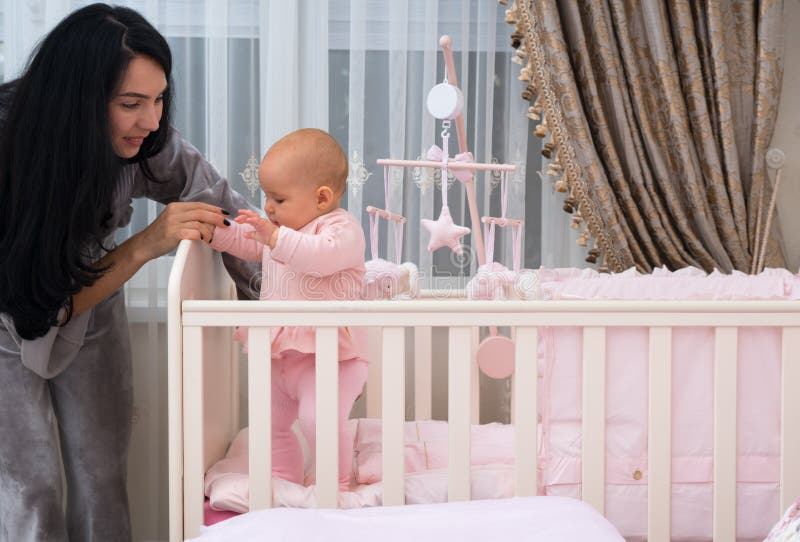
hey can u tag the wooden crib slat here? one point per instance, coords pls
(193, 471)
(593, 467)
(327, 388)
(790, 417)
(458, 413)
(659, 436)
(422, 372)
(374, 378)
(475, 405)
(394, 408)
(725, 379)
(259, 420)
(526, 386)
(234, 351)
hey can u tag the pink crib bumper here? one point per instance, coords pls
(758, 426)
(685, 284)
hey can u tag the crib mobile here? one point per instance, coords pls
(446, 102)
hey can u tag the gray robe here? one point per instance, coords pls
(80, 376)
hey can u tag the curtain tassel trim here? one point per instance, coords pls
(530, 54)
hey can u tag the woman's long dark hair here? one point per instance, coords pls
(58, 169)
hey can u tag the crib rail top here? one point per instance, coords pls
(461, 312)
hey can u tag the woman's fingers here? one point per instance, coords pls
(196, 211)
(180, 220)
(188, 220)
(206, 230)
(196, 231)
(200, 215)
(189, 233)
(198, 205)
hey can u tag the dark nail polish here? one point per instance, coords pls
(224, 212)
(201, 237)
(226, 222)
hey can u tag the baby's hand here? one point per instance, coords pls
(263, 228)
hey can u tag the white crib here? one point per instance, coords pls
(203, 386)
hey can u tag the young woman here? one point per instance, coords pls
(85, 129)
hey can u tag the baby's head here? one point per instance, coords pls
(303, 176)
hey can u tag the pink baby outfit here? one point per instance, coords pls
(324, 260)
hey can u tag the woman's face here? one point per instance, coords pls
(135, 110)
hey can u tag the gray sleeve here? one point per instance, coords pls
(183, 174)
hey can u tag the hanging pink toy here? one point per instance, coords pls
(494, 281)
(445, 101)
(384, 279)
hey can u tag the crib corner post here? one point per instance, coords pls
(193, 449)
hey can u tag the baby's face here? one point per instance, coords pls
(290, 200)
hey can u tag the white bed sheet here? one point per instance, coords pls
(528, 519)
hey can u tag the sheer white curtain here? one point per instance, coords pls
(247, 72)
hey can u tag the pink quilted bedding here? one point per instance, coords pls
(560, 359)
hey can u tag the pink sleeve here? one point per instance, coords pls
(339, 245)
(233, 241)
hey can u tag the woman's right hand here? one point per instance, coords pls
(184, 220)
(178, 221)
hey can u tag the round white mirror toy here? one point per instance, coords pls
(445, 101)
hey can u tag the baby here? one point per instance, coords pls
(309, 248)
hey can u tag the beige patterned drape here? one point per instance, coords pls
(661, 113)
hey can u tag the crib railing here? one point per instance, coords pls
(197, 318)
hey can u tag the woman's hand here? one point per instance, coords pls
(185, 220)
(178, 221)
(264, 231)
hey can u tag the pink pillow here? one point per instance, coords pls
(426, 445)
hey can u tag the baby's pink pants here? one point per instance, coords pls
(293, 398)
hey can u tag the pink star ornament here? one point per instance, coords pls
(444, 233)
